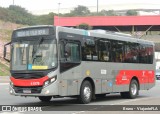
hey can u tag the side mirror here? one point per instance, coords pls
(66, 54)
(5, 52)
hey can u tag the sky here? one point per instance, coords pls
(32, 5)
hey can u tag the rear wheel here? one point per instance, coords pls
(86, 92)
(45, 98)
(133, 90)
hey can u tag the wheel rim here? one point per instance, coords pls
(134, 89)
(87, 92)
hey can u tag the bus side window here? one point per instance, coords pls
(103, 50)
(89, 50)
(146, 54)
(131, 53)
(69, 55)
(117, 51)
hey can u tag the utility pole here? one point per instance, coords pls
(97, 6)
(58, 12)
(13, 2)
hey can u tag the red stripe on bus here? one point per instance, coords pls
(29, 82)
(144, 76)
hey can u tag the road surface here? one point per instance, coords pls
(61, 105)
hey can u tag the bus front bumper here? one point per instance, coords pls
(50, 90)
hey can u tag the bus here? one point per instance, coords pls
(52, 61)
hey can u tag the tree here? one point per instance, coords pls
(84, 26)
(131, 12)
(80, 11)
(111, 13)
(104, 13)
(20, 15)
(47, 19)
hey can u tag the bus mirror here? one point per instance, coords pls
(5, 55)
(66, 54)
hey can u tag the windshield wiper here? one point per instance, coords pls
(36, 50)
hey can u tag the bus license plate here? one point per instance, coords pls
(26, 91)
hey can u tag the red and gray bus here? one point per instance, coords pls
(52, 61)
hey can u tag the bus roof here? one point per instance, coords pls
(108, 35)
(32, 27)
(95, 33)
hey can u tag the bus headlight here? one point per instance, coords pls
(49, 81)
(11, 83)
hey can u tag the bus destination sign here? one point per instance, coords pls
(32, 32)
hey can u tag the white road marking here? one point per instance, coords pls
(78, 112)
(11, 113)
(120, 103)
(134, 100)
(4, 83)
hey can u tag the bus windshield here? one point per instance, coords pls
(34, 55)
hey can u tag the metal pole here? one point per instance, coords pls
(13, 2)
(58, 11)
(97, 6)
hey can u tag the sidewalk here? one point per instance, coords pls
(4, 79)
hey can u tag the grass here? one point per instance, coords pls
(4, 70)
(5, 35)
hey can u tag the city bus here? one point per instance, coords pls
(52, 61)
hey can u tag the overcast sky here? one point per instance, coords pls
(32, 5)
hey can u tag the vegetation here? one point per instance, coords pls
(19, 15)
(4, 70)
(80, 11)
(131, 12)
(84, 26)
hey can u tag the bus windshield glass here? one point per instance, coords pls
(34, 55)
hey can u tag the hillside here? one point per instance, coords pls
(6, 29)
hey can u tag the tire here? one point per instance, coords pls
(45, 98)
(133, 90)
(86, 93)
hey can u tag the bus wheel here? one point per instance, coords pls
(45, 98)
(133, 89)
(86, 92)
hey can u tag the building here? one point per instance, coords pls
(145, 27)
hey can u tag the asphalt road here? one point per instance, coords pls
(61, 105)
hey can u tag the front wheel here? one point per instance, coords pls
(45, 98)
(86, 92)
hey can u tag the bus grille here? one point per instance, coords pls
(27, 75)
(33, 90)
